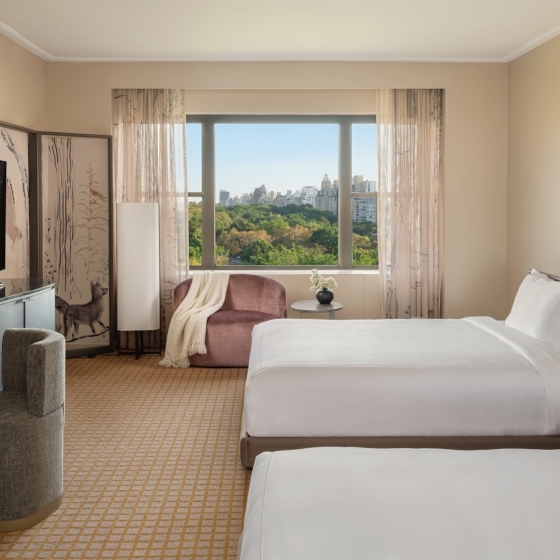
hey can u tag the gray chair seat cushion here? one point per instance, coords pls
(30, 460)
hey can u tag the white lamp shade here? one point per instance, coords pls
(138, 293)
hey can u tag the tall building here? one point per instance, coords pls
(291, 198)
(259, 195)
(364, 209)
(308, 196)
(224, 196)
(326, 183)
(327, 197)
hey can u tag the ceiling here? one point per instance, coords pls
(238, 30)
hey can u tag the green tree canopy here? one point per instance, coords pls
(269, 235)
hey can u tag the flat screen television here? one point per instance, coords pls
(2, 215)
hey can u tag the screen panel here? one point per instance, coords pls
(14, 151)
(76, 237)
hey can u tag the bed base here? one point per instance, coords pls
(250, 447)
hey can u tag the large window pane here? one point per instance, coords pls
(195, 231)
(364, 151)
(276, 194)
(364, 209)
(194, 157)
(364, 231)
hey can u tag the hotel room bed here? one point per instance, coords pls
(472, 383)
(334, 503)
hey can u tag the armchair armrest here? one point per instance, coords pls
(33, 361)
(180, 292)
(15, 344)
(274, 298)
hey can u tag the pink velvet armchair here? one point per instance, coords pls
(250, 300)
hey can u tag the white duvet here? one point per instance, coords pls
(403, 504)
(471, 376)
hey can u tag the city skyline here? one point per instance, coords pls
(334, 182)
(282, 157)
(323, 198)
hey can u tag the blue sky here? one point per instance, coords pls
(281, 156)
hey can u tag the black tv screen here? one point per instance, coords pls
(2, 215)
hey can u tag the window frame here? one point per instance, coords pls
(345, 178)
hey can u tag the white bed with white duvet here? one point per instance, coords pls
(473, 377)
(406, 504)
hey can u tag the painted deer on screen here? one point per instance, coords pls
(87, 313)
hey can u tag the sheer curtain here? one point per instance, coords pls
(410, 189)
(150, 165)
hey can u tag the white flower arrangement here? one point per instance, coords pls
(320, 282)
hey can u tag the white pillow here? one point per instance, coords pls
(536, 309)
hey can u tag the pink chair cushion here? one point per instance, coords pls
(245, 292)
(250, 300)
(237, 316)
(228, 338)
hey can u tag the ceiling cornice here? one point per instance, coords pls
(23, 42)
(533, 44)
(272, 59)
(13, 35)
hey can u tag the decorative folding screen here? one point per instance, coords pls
(14, 151)
(76, 250)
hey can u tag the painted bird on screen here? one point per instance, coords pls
(97, 194)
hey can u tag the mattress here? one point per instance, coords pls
(333, 503)
(448, 377)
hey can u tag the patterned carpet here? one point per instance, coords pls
(151, 465)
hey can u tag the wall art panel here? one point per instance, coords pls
(14, 151)
(77, 237)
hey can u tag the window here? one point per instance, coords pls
(280, 191)
(364, 195)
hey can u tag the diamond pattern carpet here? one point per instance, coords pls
(151, 464)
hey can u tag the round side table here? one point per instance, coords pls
(313, 306)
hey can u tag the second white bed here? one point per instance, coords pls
(400, 378)
(406, 504)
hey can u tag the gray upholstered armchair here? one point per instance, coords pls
(31, 426)
(250, 300)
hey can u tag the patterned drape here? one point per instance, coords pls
(410, 188)
(150, 165)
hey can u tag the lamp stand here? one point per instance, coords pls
(139, 346)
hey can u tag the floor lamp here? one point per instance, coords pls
(138, 288)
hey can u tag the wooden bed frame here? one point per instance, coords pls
(250, 447)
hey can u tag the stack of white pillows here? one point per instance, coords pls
(536, 309)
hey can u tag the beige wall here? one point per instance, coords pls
(22, 86)
(79, 100)
(358, 291)
(74, 97)
(534, 164)
(488, 167)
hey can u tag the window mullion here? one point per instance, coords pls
(344, 195)
(208, 197)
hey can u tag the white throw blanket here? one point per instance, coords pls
(187, 330)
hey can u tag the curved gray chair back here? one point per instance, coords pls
(31, 426)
